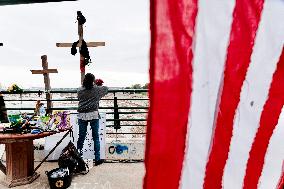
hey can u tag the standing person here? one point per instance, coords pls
(3, 111)
(89, 96)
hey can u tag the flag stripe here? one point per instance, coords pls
(212, 35)
(206, 118)
(281, 180)
(268, 121)
(151, 84)
(246, 18)
(274, 157)
(264, 58)
(172, 26)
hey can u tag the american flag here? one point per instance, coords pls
(216, 117)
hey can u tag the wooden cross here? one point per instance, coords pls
(45, 71)
(89, 44)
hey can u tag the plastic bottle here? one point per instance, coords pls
(42, 111)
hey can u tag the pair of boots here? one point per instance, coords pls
(96, 162)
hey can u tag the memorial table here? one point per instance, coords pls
(19, 168)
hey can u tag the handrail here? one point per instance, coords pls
(71, 99)
(126, 133)
(115, 118)
(25, 91)
(126, 119)
(75, 108)
(127, 125)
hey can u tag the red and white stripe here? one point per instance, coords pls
(281, 180)
(216, 95)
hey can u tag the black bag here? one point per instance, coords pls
(71, 158)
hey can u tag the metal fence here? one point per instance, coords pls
(126, 109)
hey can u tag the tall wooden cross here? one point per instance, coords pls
(89, 44)
(45, 71)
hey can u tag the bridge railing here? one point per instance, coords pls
(126, 109)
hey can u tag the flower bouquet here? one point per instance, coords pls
(60, 120)
(14, 89)
(99, 82)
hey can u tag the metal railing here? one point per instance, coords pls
(122, 112)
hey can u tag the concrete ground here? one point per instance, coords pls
(105, 176)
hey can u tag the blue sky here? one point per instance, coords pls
(29, 31)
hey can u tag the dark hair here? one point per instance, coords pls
(88, 81)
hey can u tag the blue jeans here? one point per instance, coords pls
(95, 133)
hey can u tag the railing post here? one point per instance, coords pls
(116, 115)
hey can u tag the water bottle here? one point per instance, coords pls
(42, 111)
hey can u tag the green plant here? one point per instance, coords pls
(14, 89)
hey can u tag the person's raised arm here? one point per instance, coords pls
(103, 90)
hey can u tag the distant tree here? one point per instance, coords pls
(136, 86)
(146, 86)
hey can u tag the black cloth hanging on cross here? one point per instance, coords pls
(81, 18)
(84, 51)
(74, 48)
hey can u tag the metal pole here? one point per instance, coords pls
(57, 144)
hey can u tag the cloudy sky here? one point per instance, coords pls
(29, 31)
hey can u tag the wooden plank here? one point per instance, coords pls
(20, 164)
(89, 44)
(82, 59)
(19, 159)
(44, 71)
